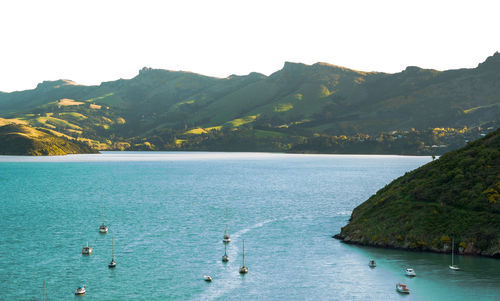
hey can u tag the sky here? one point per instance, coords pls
(94, 41)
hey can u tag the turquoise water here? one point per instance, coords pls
(166, 213)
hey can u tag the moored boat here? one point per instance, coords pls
(243, 269)
(80, 290)
(401, 288)
(410, 272)
(103, 228)
(372, 263)
(452, 266)
(207, 278)
(112, 264)
(226, 239)
(87, 250)
(225, 257)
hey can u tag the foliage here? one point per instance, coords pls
(448, 197)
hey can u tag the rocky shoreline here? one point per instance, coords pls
(470, 249)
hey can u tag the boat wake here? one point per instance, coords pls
(230, 279)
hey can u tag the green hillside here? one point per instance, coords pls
(22, 140)
(164, 110)
(456, 196)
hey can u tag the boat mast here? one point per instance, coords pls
(102, 205)
(44, 291)
(243, 253)
(452, 247)
(113, 249)
(226, 220)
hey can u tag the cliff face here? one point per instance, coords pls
(22, 140)
(456, 196)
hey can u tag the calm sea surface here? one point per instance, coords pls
(166, 212)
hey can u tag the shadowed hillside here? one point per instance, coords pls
(456, 196)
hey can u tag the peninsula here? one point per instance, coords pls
(456, 196)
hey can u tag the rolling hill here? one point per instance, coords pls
(23, 140)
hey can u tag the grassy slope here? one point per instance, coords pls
(23, 140)
(457, 195)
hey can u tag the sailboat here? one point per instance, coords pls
(87, 250)
(103, 228)
(225, 258)
(243, 269)
(452, 266)
(226, 238)
(112, 264)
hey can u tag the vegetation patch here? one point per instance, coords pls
(241, 121)
(268, 134)
(196, 131)
(213, 128)
(179, 142)
(283, 107)
(75, 115)
(68, 102)
(4, 121)
(100, 97)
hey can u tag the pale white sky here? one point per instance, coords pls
(93, 41)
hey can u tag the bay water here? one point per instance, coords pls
(166, 212)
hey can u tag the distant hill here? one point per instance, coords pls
(23, 140)
(456, 196)
(161, 109)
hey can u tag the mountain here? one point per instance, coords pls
(23, 140)
(161, 109)
(456, 196)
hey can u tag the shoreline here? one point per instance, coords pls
(474, 253)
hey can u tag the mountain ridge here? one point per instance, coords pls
(292, 104)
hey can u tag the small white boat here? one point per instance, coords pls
(80, 290)
(401, 288)
(87, 250)
(452, 266)
(410, 272)
(207, 278)
(225, 258)
(243, 269)
(372, 264)
(112, 264)
(103, 229)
